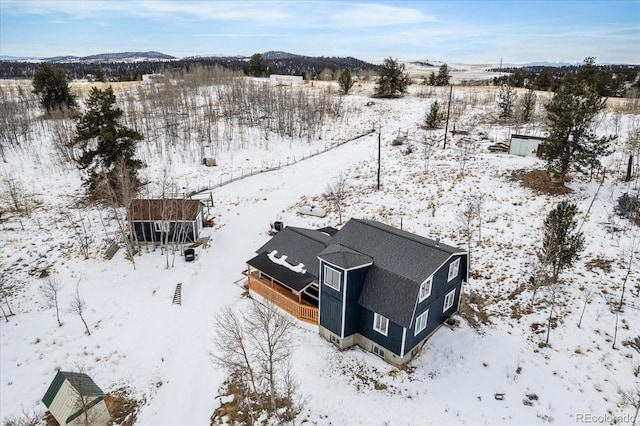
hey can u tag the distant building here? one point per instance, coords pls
(152, 78)
(73, 398)
(526, 146)
(288, 80)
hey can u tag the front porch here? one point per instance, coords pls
(281, 295)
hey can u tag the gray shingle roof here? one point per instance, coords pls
(344, 257)
(389, 295)
(405, 254)
(286, 276)
(401, 262)
(300, 245)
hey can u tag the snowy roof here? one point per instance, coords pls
(295, 280)
(300, 245)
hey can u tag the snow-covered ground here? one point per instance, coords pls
(163, 351)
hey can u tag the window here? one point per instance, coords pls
(448, 300)
(454, 267)
(425, 290)
(376, 350)
(332, 278)
(380, 324)
(421, 322)
(161, 226)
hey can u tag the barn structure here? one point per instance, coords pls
(75, 399)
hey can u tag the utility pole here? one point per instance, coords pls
(379, 148)
(446, 126)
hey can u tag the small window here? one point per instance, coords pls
(161, 226)
(421, 322)
(380, 324)
(448, 300)
(376, 350)
(425, 290)
(454, 268)
(332, 277)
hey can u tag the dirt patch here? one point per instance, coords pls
(539, 181)
(122, 407)
(474, 312)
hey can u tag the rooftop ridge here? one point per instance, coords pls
(407, 235)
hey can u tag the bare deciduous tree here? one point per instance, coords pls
(256, 349)
(270, 333)
(335, 193)
(234, 352)
(77, 307)
(633, 398)
(50, 291)
(587, 294)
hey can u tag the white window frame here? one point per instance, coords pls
(161, 225)
(448, 300)
(424, 290)
(454, 269)
(383, 327)
(378, 351)
(421, 322)
(326, 282)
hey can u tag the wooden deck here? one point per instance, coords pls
(282, 297)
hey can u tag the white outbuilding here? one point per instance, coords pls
(75, 399)
(525, 145)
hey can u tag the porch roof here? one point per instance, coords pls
(294, 280)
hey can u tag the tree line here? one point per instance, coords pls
(606, 80)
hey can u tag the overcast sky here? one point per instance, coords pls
(471, 31)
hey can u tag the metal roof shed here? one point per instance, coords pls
(71, 395)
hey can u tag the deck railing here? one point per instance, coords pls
(301, 311)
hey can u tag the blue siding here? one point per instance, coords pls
(391, 342)
(435, 303)
(145, 231)
(330, 304)
(355, 280)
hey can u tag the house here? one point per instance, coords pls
(75, 399)
(524, 145)
(165, 220)
(367, 284)
(288, 80)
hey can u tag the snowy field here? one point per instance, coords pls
(162, 351)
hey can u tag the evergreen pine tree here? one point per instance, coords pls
(527, 105)
(572, 142)
(51, 85)
(392, 80)
(434, 117)
(506, 101)
(345, 81)
(443, 77)
(432, 79)
(256, 66)
(105, 142)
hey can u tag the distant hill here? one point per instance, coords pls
(114, 57)
(130, 65)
